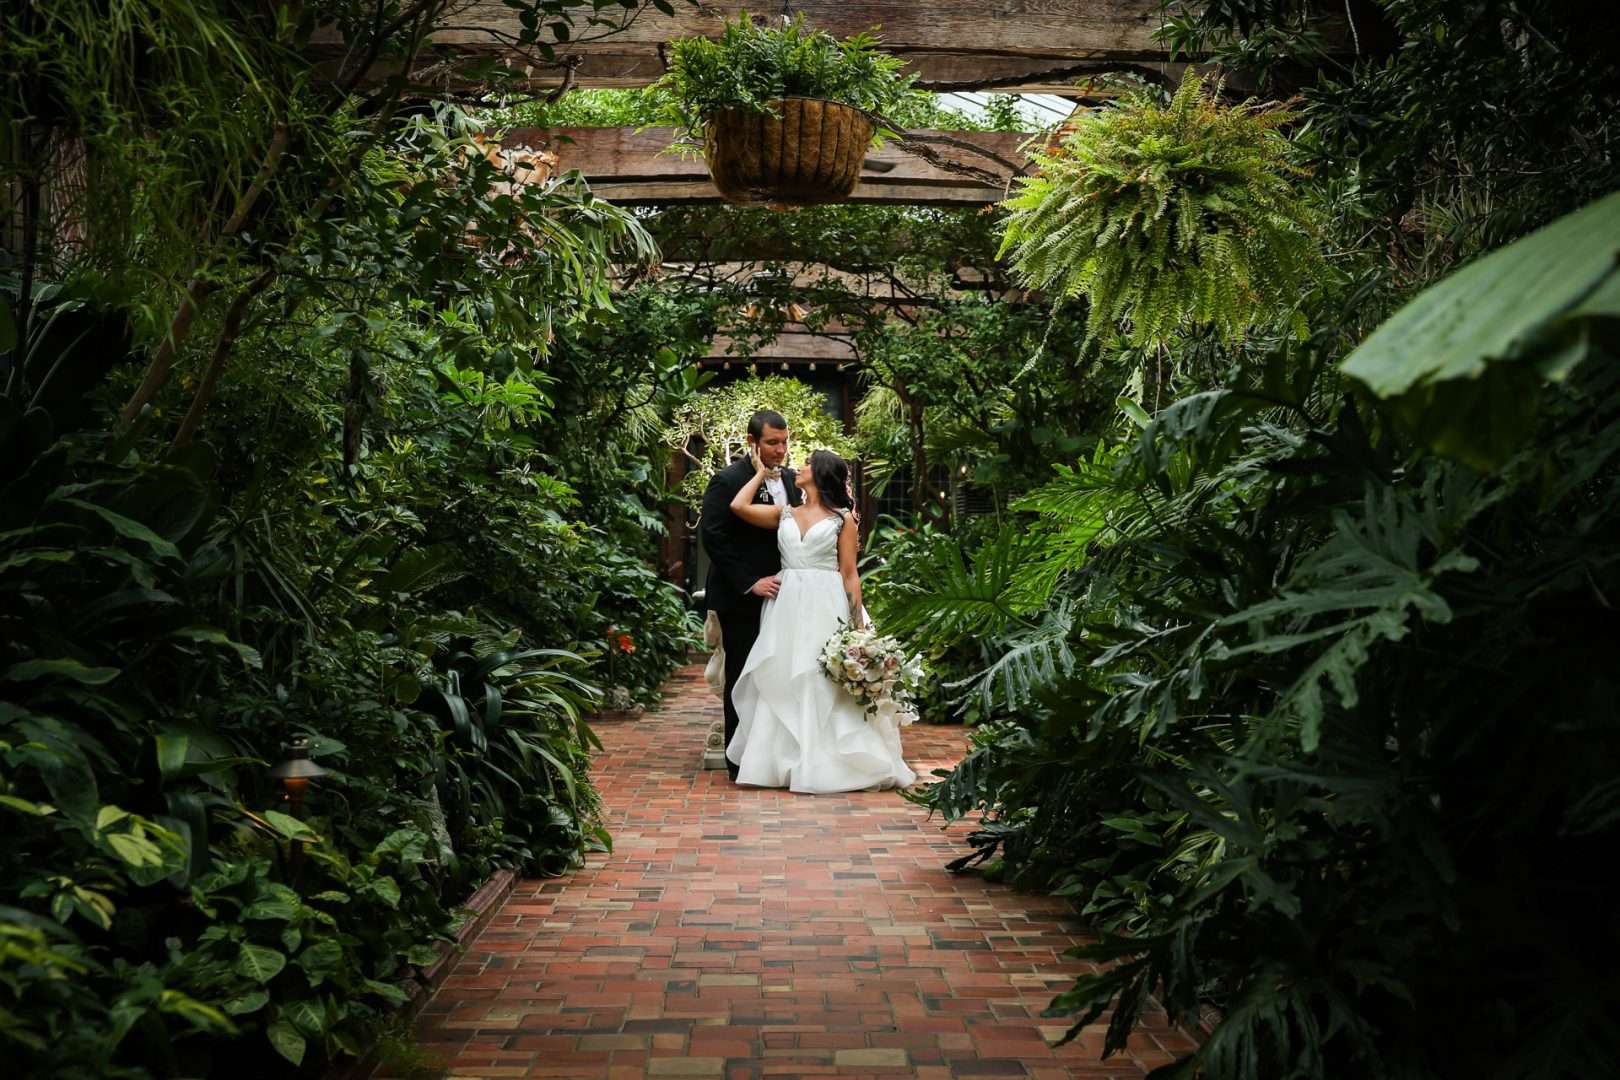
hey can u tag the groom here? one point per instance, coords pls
(743, 560)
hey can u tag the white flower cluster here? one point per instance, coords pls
(874, 670)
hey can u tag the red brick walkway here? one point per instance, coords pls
(741, 933)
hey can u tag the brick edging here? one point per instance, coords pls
(483, 903)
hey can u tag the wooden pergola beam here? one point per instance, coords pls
(788, 346)
(632, 167)
(801, 281)
(1031, 46)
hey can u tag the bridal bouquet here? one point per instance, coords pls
(874, 670)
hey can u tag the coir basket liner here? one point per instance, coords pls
(804, 152)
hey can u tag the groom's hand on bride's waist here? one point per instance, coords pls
(766, 587)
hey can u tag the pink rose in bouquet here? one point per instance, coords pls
(874, 670)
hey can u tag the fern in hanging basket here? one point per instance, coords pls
(1167, 217)
(753, 66)
(782, 114)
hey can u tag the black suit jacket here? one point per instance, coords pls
(739, 553)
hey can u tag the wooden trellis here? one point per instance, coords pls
(1033, 46)
(634, 168)
(1030, 46)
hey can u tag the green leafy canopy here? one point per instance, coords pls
(711, 429)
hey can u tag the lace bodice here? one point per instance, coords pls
(817, 549)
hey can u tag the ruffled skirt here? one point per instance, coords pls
(796, 729)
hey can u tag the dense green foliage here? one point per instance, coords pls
(385, 476)
(1285, 622)
(1308, 746)
(640, 108)
(1302, 693)
(753, 64)
(957, 395)
(1489, 336)
(956, 385)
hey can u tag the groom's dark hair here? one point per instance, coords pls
(763, 419)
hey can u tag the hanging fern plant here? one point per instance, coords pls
(1167, 217)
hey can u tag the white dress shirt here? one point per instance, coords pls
(778, 493)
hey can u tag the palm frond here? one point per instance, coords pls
(958, 597)
(1034, 658)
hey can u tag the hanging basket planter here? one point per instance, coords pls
(803, 152)
(784, 111)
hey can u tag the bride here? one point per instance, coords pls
(796, 728)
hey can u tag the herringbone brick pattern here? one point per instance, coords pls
(742, 933)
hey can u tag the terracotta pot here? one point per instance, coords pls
(808, 155)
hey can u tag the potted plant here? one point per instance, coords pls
(1166, 216)
(783, 115)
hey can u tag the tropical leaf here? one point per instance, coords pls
(128, 527)
(961, 597)
(211, 636)
(1373, 568)
(61, 666)
(247, 1002)
(1031, 659)
(287, 1041)
(421, 569)
(308, 1015)
(259, 963)
(320, 961)
(1465, 361)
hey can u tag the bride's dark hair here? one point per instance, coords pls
(831, 475)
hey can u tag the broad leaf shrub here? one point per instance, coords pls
(1321, 746)
(132, 854)
(920, 560)
(1309, 710)
(415, 500)
(149, 902)
(1311, 723)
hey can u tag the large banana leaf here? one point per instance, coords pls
(1465, 360)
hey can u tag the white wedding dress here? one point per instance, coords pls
(796, 729)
